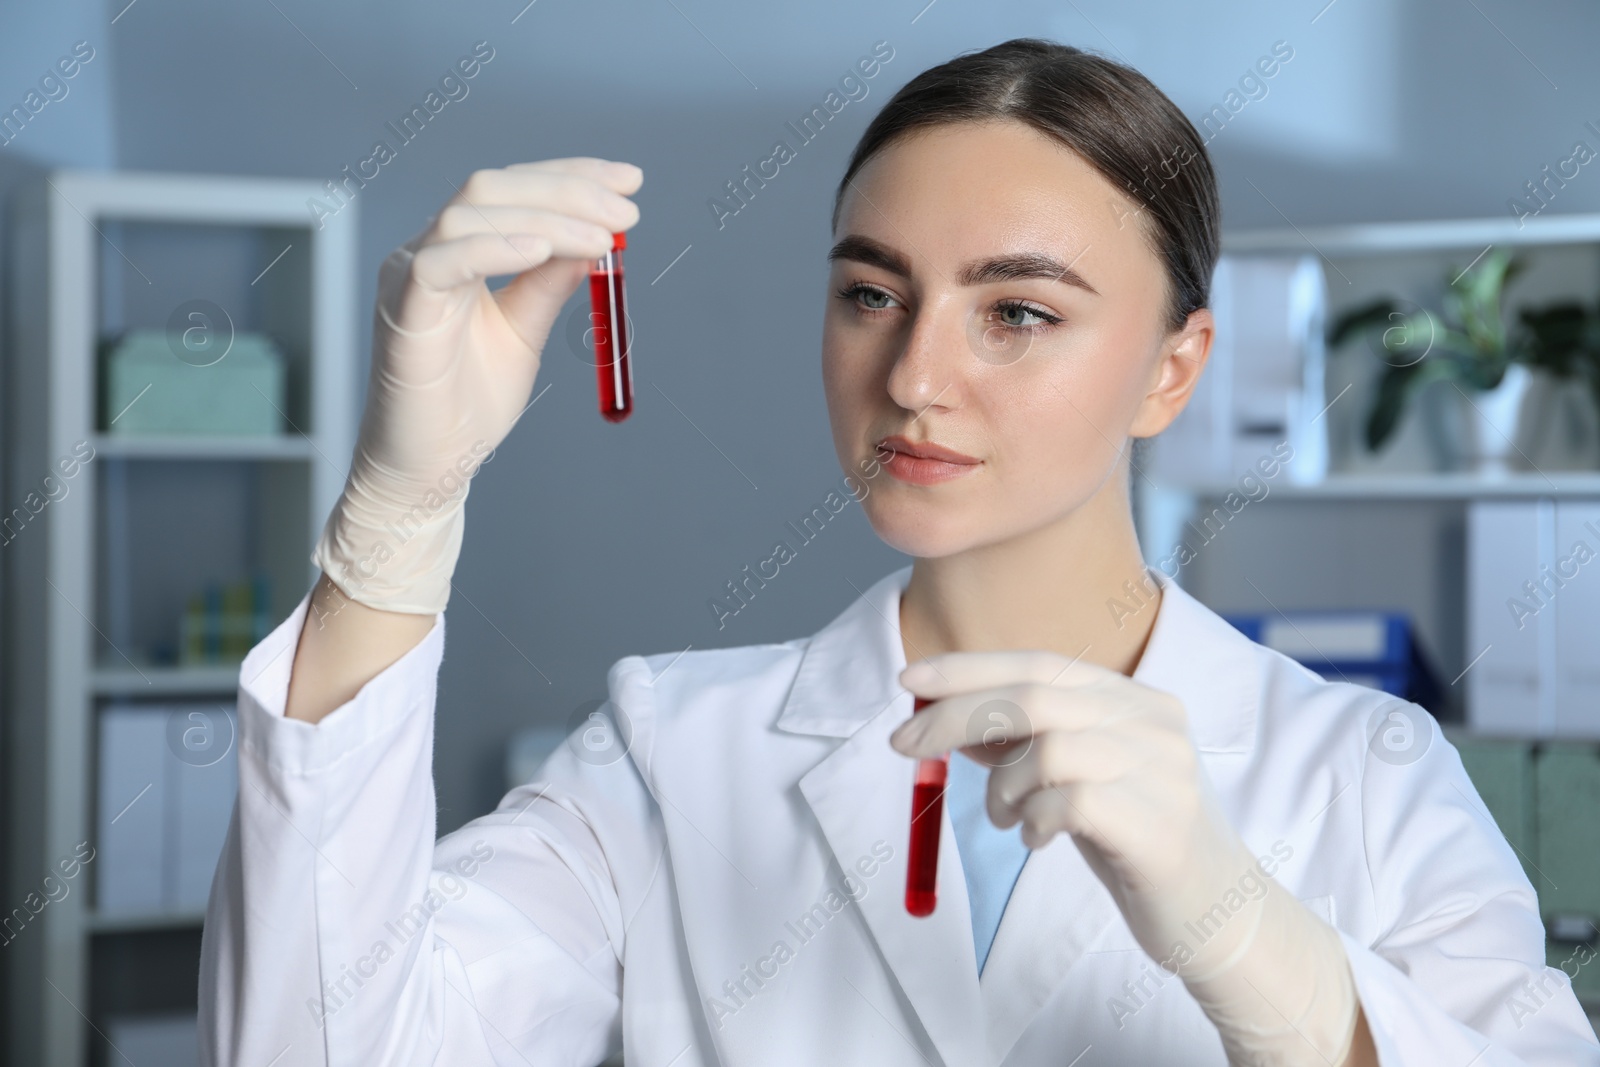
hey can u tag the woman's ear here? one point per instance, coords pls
(1183, 356)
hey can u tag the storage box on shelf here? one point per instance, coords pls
(156, 382)
(197, 460)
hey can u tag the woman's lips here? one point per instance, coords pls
(926, 463)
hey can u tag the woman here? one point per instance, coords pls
(1212, 865)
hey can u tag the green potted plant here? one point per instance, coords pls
(1466, 343)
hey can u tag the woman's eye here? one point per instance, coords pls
(866, 297)
(1022, 317)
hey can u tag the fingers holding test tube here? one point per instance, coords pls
(1081, 749)
(1073, 747)
(454, 363)
(543, 222)
(508, 238)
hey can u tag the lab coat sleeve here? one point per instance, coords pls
(1458, 973)
(339, 932)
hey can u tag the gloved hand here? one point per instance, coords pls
(453, 365)
(1089, 751)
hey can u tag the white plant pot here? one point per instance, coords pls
(1492, 420)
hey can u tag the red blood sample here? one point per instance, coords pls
(927, 809)
(612, 340)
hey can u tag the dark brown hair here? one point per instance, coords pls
(1109, 114)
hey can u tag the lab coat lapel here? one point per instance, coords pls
(1059, 909)
(860, 793)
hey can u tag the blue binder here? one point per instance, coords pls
(1371, 648)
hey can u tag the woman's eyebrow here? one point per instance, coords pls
(1022, 265)
(979, 272)
(866, 250)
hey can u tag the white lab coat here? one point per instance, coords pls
(730, 890)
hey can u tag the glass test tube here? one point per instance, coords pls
(927, 807)
(612, 338)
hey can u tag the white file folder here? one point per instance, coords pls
(203, 795)
(1533, 616)
(130, 861)
(168, 779)
(1577, 606)
(1505, 547)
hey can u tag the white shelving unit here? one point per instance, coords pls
(1305, 541)
(73, 238)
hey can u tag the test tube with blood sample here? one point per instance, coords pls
(927, 809)
(612, 337)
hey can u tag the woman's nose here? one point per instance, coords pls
(931, 367)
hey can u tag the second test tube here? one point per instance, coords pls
(927, 809)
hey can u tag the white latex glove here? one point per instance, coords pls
(1086, 750)
(453, 365)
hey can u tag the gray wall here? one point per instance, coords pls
(588, 541)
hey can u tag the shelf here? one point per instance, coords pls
(286, 446)
(127, 924)
(1522, 485)
(110, 680)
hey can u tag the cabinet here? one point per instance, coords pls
(116, 531)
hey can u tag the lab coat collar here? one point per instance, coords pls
(847, 686)
(1197, 656)
(851, 668)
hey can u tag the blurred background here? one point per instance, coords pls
(1387, 474)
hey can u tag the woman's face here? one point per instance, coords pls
(995, 333)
